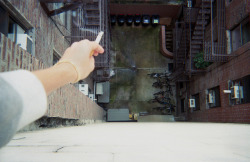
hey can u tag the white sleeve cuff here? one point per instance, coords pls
(32, 94)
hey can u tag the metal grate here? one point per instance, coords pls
(190, 14)
(87, 21)
(216, 52)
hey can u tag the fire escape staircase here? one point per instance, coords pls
(180, 46)
(92, 13)
(197, 35)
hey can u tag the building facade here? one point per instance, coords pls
(212, 73)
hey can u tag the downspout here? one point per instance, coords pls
(164, 50)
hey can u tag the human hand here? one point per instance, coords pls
(79, 55)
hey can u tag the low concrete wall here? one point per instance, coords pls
(156, 118)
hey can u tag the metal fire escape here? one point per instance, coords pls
(197, 34)
(89, 17)
(87, 22)
(215, 50)
(189, 38)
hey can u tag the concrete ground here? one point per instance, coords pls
(136, 53)
(129, 142)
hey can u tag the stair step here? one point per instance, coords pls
(195, 51)
(200, 22)
(197, 37)
(198, 27)
(206, 5)
(207, 1)
(198, 32)
(168, 32)
(196, 42)
(195, 46)
(206, 17)
(169, 36)
(92, 16)
(205, 11)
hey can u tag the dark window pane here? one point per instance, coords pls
(236, 38)
(246, 89)
(246, 33)
(197, 101)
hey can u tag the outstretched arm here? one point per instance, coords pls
(75, 64)
(24, 99)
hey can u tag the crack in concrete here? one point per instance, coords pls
(58, 149)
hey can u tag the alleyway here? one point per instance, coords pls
(136, 53)
(132, 142)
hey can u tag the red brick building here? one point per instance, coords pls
(229, 57)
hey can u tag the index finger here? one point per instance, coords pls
(96, 47)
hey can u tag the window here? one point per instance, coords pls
(64, 16)
(14, 30)
(56, 57)
(240, 34)
(213, 97)
(197, 101)
(240, 91)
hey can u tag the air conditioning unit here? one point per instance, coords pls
(84, 88)
(25, 42)
(99, 88)
(211, 98)
(91, 96)
(191, 103)
(237, 92)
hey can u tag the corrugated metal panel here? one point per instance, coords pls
(118, 115)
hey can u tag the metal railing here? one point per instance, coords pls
(87, 21)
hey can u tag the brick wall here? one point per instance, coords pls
(47, 35)
(66, 102)
(236, 11)
(219, 74)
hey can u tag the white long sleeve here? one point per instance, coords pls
(22, 101)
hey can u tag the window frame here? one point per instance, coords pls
(216, 95)
(240, 28)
